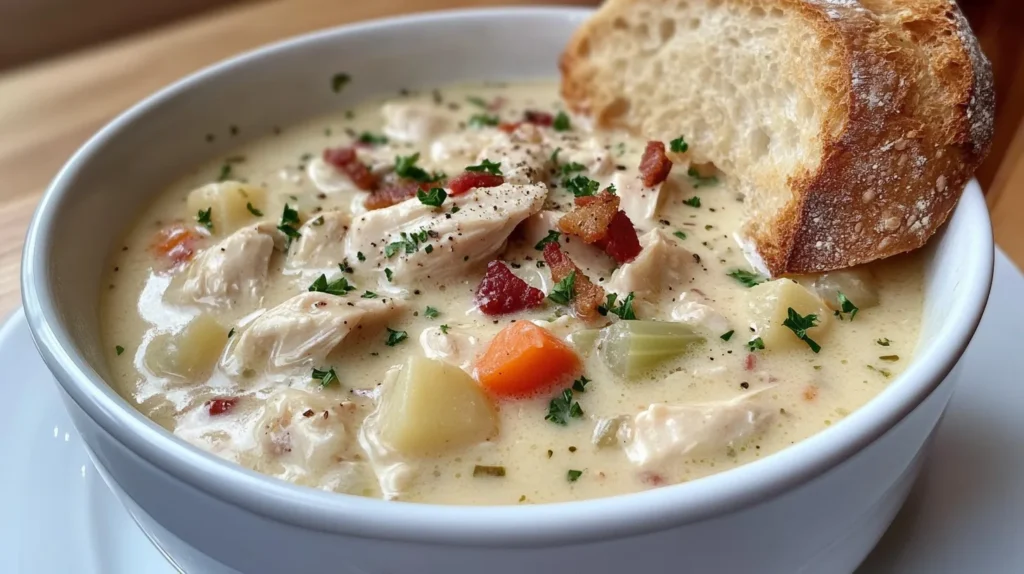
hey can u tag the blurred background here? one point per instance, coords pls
(69, 66)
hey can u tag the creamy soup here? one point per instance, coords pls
(466, 296)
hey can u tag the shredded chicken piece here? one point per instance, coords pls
(453, 346)
(300, 332)
(640, 202)
(414, 122)
(658, 272)
(416, 241)
(664, 433)
(319, 246)
(523, 155)
(234, 269)
(693, 309)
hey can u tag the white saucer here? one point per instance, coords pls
(966, 513)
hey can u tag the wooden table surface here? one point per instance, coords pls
(49, 109)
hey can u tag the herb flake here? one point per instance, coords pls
(562, 408)
(565, 290)
(746, 278)
(799, 325)
(552, 237)
(326, 378)
(395, 337)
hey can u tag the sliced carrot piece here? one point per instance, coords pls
(524, 359)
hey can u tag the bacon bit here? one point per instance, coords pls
(599, 221)
(590, 219)
(501, 291)
(654, 165)
(395, 193)
(468, 180)
(751, 362)
(810, 392)
(509, 127)
(177, 243)
(652, 478)
(220, 406)
(621, 241)
(538, 118)
(588, 295)
(346, 161)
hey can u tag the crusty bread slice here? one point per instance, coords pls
(851, 126)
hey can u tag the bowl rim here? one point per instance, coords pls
(505, 526)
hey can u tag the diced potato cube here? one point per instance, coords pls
(431, 407)
(228, 203)
(769, 304)
(190, 353)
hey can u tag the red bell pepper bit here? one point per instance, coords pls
(501, 292)
(347, 162)
(220, 406)
(468, 180)
(538, 118)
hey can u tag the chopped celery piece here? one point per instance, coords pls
(631, 348)
(606, 431)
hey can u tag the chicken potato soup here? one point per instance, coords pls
(466, 296)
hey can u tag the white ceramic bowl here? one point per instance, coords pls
(816, 507)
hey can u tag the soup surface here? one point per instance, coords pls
(521, 310)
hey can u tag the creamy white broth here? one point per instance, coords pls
(796, 392)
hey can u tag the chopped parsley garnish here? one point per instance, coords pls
(434, 198)
(845, 306)
(344, 267)
(890, 358)
(203, 217)
(565, 290)
(225, 172)
(884, 372)
(444, 329)
(883, 342)
(339, 81)
(693, 201)
(409, 242)
(253, 210)
(326, 378)
(561, 123)
(700, 181)
(799, 326)
(431, 313)
(554, 155)
(483, 470)
(571, 167)
(428, 249)
(580, 384)
(573, 475)
(478, 101)
(369, 295)
(552, 237)
(454, 209)
(289, 223)
(611, 189)
(747, 278)
(680, 234)
(482, 120)
(360, 256)
(405, 166)
(372, 138)
(231, 333)
(624, 310)
(581, 185)
(395, 337)
(491, 167)
(389, 274)
(678, 145)
(119, 349)
(727, 336)
(339, 286)
(755, 344)
(562, 408)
